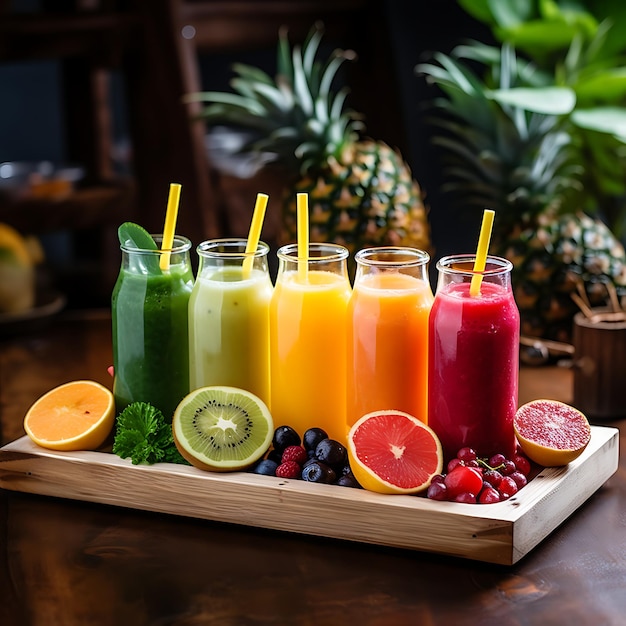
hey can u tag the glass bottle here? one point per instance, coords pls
(388, 333)
(308, 323)
(150, 326)
(229, 317)
(474, 357)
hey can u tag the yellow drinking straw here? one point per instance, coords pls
(481, 254)
(170, 225)
(255, 231)
(302, 201)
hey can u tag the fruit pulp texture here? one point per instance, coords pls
(473, 369)
(150, 338)
(229, 331)
(388, 346)
(308, 352)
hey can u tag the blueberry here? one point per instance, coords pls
(266, 467)
(348, 480)
(276, 456)
(285, 436)
(310, 460)
(317, 472)
(346, 469)
(312, 437)
(332, 453)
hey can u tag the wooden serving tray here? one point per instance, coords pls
(498, 533)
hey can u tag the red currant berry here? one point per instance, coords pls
(466, 498)
(507, 467)
(466, 454)
(437, 491)
(519, 478)
(496, 460)
(522, 464)
(508, 487)
(437, 478)
(453, 463)
(493, 477)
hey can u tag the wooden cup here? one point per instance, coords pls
(600, 367)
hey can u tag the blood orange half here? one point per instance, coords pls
(551, 433)
(393, 452)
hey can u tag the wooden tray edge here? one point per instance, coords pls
(499, 533)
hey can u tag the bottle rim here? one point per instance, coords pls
(209, 248)
(180, 245)
(318, 252)
(494, 266)
(406, 256)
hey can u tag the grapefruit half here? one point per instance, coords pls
(393, 452)
(551, 433)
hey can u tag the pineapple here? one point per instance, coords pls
(361, 192)
(552, 260)
(522, 164)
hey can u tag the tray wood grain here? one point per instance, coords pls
(499, 533)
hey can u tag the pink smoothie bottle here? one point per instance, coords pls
(473, 367)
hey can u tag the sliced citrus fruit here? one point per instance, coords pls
(78, 415)
(551, 433)
(393, 452)
(222, 428)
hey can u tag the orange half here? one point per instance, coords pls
(78, 415)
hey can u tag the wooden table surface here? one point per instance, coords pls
(75, 563)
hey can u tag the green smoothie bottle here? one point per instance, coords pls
(150, 325)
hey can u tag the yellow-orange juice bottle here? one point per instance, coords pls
(388, 333)
(308, 339)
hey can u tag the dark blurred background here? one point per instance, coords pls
(93, 87)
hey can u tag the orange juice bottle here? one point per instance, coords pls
(308, 340)
(388, 333)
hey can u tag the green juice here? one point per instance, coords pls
(150, 332)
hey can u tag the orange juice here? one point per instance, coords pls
(388, 334)
(308, 345)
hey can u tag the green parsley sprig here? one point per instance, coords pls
(143, 436)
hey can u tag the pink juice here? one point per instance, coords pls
(473, 368)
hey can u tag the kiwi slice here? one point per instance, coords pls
(222, 428)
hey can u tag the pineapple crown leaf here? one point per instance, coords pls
(301, 98)
(284, 66)
(268, 96)
(239, 116)
(311, 46)
(252, 74)
(227, 98)
(301, 87)
(338, 103)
